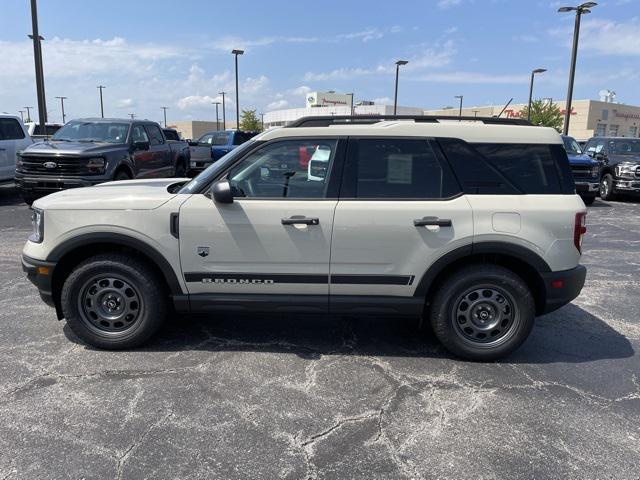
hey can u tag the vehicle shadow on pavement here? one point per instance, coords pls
(9, 195)
(570, 335)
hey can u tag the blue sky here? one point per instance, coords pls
(177, 53)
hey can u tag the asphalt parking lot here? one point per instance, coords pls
(295, 397)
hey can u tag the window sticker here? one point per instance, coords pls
(399, 168)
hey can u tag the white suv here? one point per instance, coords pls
(472, 223)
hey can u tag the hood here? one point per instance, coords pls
(618, 158)
(54, 148)
(581, 159)
(121, 195)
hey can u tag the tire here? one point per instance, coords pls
(606, 187)
(114, 301)
(180, 171)
(121, 175)
(509, 311)
(589, 200)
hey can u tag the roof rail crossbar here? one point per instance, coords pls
(325, 121)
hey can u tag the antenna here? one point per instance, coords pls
(505, 107)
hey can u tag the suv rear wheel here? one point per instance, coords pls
(482, 312)
(114, 301)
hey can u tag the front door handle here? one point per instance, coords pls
(300, 220)
(432, 221)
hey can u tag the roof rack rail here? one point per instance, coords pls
(325, 121)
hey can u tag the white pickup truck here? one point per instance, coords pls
(14, 137)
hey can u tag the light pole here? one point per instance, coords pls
(580, 10)
(28, 113)
(37, 56)
(351, 110)
(62, 99)
(475, 113)
(262, 120)
(533, 72)
(224, 111)
(132, 115)
(100, 87)
(217, 118)
(395, 96)
(164, 112)
(460, 97)
(237, 52)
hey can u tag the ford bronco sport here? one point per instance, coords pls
(472, 223)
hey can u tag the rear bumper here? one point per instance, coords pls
(562, 287)
(40, 273)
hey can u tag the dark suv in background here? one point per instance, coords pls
(90, 151)
(584, 169)
(619, 158)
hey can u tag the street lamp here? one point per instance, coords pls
(262, 120)
(580, 10)
(164, 111)
(37, 57)
(224, 111)
(533, 72)
(100, 87)
(28, 113)
(395, 96)
(217, 118)
(62, 99)
(351, 110)
(460, 97)
(237, 52)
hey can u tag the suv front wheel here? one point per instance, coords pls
(114, 301)
(482, 312)
(606, 187)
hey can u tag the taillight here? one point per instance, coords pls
(579, 229)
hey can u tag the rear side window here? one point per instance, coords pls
(155, 136)
(396, 168)
(533, 168)
(171, 135)
(10, 129)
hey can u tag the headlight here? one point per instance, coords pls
(626, 169)
(96, 165)
(37, 226)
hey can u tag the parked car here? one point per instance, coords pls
(37, 133)
(224, 141)
(14, 137)
(475, 226)
(91, 151)
(585, 170)
(180, 152)
(619, 159)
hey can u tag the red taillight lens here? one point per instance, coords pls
(579, 229)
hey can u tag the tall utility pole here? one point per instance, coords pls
(351, 110)
(395, 96)
(580, 10)
(28, 113)
(62, 99)
(164, 111)
(237, 52)
(262, 120)
(460, 97)
(132, 115)
(533, 73)
(100, 87)
(21, 115)
(224, 111)
(37, 57)
(217, 117)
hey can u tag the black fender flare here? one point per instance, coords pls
(123, 240)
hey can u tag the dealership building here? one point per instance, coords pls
(332, 103)
(588, 117)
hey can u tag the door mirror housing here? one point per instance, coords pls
(141, 145)
(221, 192)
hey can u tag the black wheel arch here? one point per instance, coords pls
(520, 260)
(73, 251)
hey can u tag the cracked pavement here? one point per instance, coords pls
(321, 397)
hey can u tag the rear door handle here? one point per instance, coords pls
(432, 221)
(300, 220)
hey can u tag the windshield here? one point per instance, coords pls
(571, 146)
(625, 147)
(78, 131)
(208, 174)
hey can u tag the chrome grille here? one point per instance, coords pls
(53, 165)
(581, 171)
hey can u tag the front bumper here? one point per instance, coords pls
(626, 186)
(40, 273)
(49, 184)
(562, 287)
(587, 187)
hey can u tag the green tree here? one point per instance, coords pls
(544, 114)
(249, 121)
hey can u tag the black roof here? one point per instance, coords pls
(325, 121)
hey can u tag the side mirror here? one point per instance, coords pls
(221, 192)
(141, 145)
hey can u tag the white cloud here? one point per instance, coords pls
(471, 77)
(444, 4)
(277, 105)
(125, 103)
(526, 38)
(192, 101)
(229, 43)
(608, 37)
(382, 100)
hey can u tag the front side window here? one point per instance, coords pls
(286, 169)
(571, 146)
(10, 129)
(397, 168)
(155, 135)
(207, 138)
